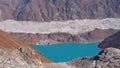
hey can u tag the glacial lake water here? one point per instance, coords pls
(68, 51)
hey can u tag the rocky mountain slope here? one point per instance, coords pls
(49, 10)
(112, 41)
(14, 54)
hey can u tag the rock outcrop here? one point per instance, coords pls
(15, 54)
(112, 41)
(52, 38)
(49, 10)
(108, 58)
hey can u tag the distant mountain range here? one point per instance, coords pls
(60, 10)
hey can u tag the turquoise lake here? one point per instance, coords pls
(68, 51)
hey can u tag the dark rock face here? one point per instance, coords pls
(112, 41)
(48, 10)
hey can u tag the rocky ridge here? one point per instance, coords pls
(52, 38)
(58, 10)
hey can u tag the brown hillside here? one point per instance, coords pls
(9, 43)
